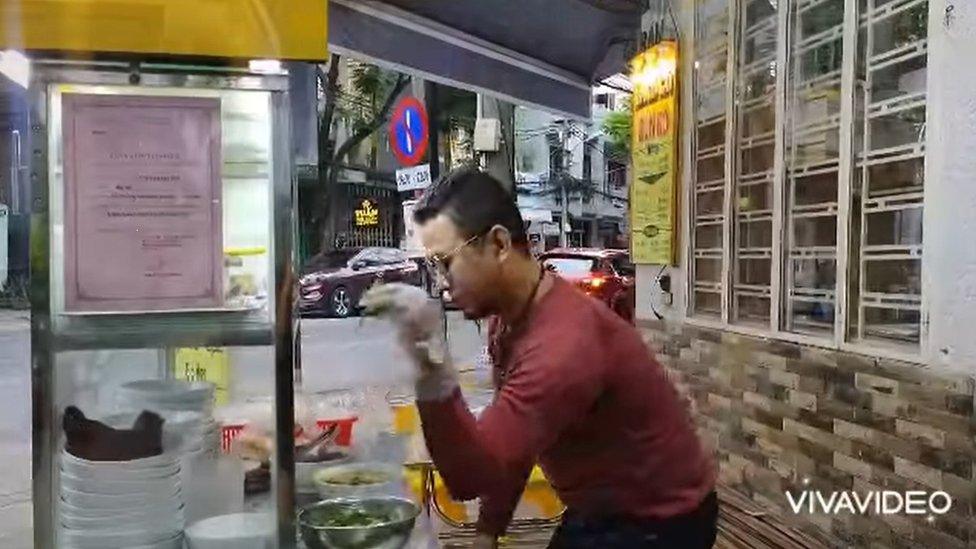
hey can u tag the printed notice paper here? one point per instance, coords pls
(142, 203)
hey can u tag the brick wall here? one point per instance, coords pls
(790, 417)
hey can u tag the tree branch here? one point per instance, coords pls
(381, 118)
(331, 88)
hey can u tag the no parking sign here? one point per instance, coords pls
(409, 130)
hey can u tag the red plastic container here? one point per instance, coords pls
(344, 437)
(229, 432)
(227, 435)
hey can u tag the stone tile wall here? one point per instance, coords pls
(785, 417)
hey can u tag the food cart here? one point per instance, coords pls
(161, 244)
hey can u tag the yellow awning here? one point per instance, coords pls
(243, 29)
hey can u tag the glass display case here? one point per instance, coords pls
(162, 243)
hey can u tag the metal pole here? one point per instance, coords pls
(563, 181)
(564, 219)
(433, 116)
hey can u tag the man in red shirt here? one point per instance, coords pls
(576, 389)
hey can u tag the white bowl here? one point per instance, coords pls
(152, 517)
(161, 508)
(175, 542)
(235, 531)
(305, 472)
(97, 485)
(117, 473)
(393, 485)
(116, 502)
(168, 389)
(165, 460)
(100, 539)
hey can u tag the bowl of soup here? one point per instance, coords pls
(358, 480)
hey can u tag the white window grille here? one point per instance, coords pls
(808, 170)
(708, 202)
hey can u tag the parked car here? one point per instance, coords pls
(333, 282)
(607, 275)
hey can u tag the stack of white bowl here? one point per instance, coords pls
(186, 406)
(121, 504)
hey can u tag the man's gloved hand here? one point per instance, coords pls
(419, 326)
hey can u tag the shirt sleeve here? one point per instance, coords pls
(550, 387)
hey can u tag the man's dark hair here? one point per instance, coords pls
(475, 202)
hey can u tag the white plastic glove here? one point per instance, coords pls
(419, 329)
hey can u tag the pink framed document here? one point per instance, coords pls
(142, 197)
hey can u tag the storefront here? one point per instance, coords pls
(820, 270)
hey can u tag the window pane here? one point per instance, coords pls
(891, 324)
(760, 121)
(755, 271)
(753, 310)
(759, 12)
(815, 189)
(895, 228)
(821, 18)
(711, 104)
(756, 234)
(815, 231)
(885, 281)
(712, 135)
(757, 159)
(708, 199)
(755, 197)
(708, 303)
(897, 130)
(902, 177)
(711, 169)
(817, 274)
(814, 317)
(901, 30)
(894, 276)
(816, 56)
(708, 270)
(708, 236)
(710, 203)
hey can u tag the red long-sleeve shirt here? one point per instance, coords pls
(584, 398)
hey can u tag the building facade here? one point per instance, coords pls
(552, 152)
(821, 304)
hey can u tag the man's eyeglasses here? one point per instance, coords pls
(441, 263)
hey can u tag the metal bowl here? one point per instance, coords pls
(391, 534)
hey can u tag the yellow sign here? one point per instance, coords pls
(257, 29)
(367, 215)
(204, 364)
(653, 189)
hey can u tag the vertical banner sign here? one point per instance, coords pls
(653, 189)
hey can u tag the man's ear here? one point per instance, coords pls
(501, 239)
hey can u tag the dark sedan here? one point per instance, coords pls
(334, 281)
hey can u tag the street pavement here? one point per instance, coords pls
(336, 354)
(15, 477)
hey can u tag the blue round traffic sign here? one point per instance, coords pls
(409, 131)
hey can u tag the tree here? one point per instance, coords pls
(617, 126)
(360, 108)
